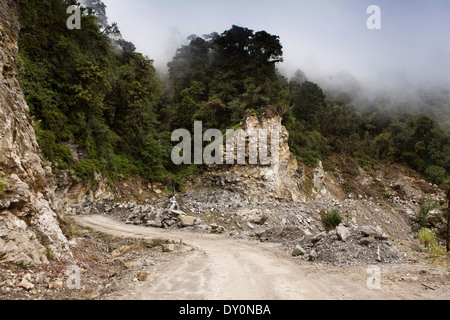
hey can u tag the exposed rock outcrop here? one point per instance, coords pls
(29, 226)
(284, 180)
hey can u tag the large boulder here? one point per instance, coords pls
(187, 221)
(376, 233)
(342, 232)
(298, 251)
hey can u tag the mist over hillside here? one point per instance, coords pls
(405, 62)
(392, 94)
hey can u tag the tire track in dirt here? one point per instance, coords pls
(222, 268)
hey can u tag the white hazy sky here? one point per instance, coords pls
(321, 37)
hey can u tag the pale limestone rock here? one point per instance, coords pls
(342, 232)
(285, 179)
(187, 221)
(29, 226)
(27, 285)
(168, 247)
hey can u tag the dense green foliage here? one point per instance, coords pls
(91, 88)
(433, 218)
(319, 128)
(83, 87)
(332, 219)
(221, 78)
(430, 242)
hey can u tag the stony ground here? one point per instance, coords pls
(233, 241)
(292, 224)
(105, 262)
(119, 261)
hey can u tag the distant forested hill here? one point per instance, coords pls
(91, 88)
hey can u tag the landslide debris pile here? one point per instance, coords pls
(348, 245)
(297, 226)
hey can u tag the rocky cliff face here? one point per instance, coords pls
(285, 180)
(29, 227)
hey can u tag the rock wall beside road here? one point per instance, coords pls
(29, 225)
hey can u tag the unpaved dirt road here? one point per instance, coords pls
(222, 268)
